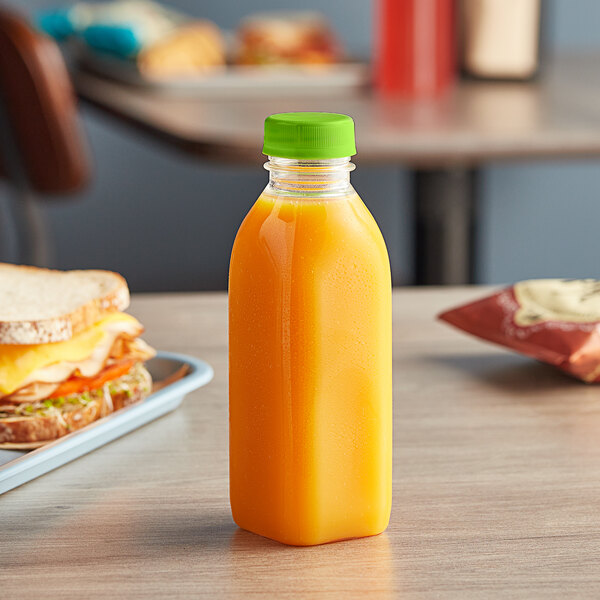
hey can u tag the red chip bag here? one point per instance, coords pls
(556, 321)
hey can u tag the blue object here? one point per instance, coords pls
(18, 467)
(56, 23)
(119, 40)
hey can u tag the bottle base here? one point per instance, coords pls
(309, 540)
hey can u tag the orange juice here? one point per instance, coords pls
(310, 360)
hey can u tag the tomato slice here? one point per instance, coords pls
(78, 385)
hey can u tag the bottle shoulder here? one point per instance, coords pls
(333, 217)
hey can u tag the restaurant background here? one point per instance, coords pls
(167, 221)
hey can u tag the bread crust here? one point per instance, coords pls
(19, 430)
(43, 428)
(63, 327)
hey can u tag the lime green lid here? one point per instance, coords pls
(309, 135)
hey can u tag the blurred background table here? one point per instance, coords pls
(496, 485)
(443, 142)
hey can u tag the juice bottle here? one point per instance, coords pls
(310, 346)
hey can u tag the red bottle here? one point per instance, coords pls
(415, 47)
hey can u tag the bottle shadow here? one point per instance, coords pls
(240, 563)
(351, 568)
(192, 530)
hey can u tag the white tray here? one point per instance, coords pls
(235, 80)
(18, 466)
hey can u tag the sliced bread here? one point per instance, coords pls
(22, 429)
(39, 306)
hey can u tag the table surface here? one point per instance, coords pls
(496, 485)
(556, 115)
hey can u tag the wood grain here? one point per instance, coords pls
(558, 115)
(496, 485)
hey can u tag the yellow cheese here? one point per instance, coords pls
(18, 362)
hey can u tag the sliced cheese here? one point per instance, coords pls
(55, 362)
(124, 348)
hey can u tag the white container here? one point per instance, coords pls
(501, 38)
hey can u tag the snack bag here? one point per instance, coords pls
(556, 321)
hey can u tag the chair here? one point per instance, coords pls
(42, 149)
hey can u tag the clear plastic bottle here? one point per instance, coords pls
(310, 346)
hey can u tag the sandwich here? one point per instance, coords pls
(278, 38)
(69, 355)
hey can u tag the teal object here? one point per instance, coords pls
(56, 23)
(119, 40)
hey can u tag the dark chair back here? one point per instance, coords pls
(42, 149)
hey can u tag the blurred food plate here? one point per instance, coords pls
(225, 80)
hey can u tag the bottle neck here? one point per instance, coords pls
(293, 177)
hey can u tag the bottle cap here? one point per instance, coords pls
(309, 135)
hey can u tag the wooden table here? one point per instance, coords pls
(496, 485)
(443, 142)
